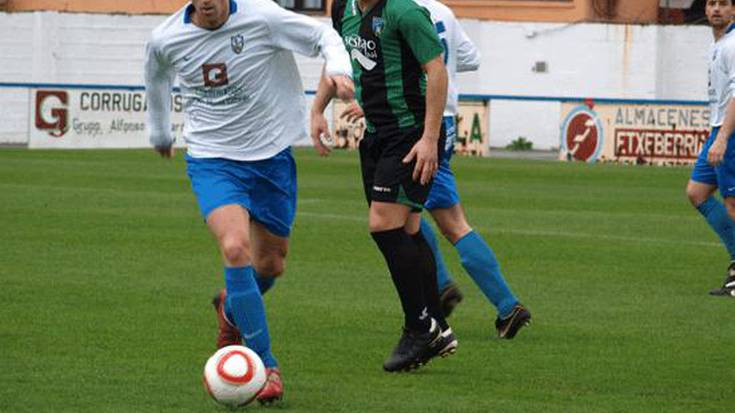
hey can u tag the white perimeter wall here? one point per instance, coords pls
(583, 60)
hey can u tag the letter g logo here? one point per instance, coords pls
(215, 74)
(55, 120)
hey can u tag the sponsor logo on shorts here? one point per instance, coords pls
(382, 189)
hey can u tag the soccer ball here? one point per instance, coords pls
(234, 375)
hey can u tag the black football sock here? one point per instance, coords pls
(401, 254)
(427, 264)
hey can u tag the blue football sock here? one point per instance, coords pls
(480, 262)
(248, 312)
(442, 275)
(716, 215)
(264, 284)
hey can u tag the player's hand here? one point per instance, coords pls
(353, 112)
(717, 151)
(425, 153)
(320, 136)
(167, 152)
(344, 86)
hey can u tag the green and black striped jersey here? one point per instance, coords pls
(388, 44)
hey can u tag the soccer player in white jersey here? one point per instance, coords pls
(244, 107)
(478, 259)
(715, 167)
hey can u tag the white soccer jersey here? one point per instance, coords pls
(722, 76)
(243, 97)
(460, 54)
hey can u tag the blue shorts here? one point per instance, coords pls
(443, 192)
(722, 176)
(266, 188)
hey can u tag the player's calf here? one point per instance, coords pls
(450, 296)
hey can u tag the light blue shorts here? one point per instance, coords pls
(266, 188)
(443, 192)
(722, 176)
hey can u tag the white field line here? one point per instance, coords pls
(562, 234)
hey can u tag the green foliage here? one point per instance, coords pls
(107, 272)
(520, 144)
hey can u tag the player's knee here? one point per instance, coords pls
(386, 219)
(271, 266)
(236, 251)
(730, 206)
(454, 234)
(696, 197)
(454, 231)
(377, 226)
(378, 223)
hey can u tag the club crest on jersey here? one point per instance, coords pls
(237, 42)
(378, 24)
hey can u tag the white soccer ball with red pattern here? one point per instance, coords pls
(234, 375)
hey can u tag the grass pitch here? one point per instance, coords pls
(107, 271)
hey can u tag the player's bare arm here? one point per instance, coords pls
(343, 86)
(425, 150)
(319, 127)
(353, 112)
(329, 86)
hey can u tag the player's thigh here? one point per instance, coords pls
(217, 182)
(703, 176)
(452, 222)
(369, 155)
(230, 225)
(273, 196)
(385, 216)
(269, 250)
(223, 199)
(726, 171)
(413, 222)
(393, 179)
(382, 173)
(443, 193)
(394, 194)
(450, 127)
(389, 186)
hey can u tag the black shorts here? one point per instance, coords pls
(385, 177)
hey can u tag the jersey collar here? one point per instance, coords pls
(190, 9)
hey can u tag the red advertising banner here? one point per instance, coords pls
(634, 134)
